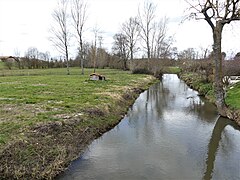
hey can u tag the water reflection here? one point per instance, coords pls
(213, 146)
(169, 133)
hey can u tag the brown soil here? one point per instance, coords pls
(234, 115)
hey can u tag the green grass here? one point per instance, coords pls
(206, 89)
(173, 70)
(49, 95)
(1, 65)
(233, 96)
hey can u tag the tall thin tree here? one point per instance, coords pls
(146, 23)
(120, 48)
(159, 39)
(79, 16)
(60, 31)
(96, 31)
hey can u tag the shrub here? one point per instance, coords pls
(141, 71)
(232, 68)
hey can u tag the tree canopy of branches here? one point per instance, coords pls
(217, 13)
(131, 30)
(96, 31)
(120, 47)
(61, 32)
(160, 44)
(146, 21)
(153, 32)
(79, 16)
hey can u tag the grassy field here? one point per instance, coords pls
(43, 112)
(27, 100)
(1, 65)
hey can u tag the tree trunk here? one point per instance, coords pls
(66, 54)
(218, 84)
(131, 51)
(148, 50)
(82, 65)
(81, 55)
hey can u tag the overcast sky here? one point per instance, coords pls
(26, 23)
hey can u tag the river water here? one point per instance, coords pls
(169, 133)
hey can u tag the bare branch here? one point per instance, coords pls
(146, 20)
(60, 32)
(79, 17)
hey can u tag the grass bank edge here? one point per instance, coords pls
(205, 89)
(47, 148)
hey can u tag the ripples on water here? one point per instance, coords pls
(169, 133)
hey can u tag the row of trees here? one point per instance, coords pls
(196, 54)
(146, 32)
(34, 59)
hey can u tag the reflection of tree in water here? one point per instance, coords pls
(148, 110)
(148, 114)
(201, 108)
(213, 145)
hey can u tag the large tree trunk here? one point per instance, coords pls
(218, 84)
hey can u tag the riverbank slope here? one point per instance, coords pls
(205, 89)
(47, 120)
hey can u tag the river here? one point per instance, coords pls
(169, 133)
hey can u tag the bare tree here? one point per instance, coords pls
(31, 56)
(60, 32)
(32, 53)
(101, 52)
(187, 54)
(217, 13)
(17, 57)
(204, 52)
(96, 31)
(159, 41)
(45, 57)
(132, 31)
(146, 23)
(79, 16)
(120, 48)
